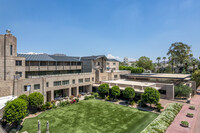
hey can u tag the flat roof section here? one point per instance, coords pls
(161, 75)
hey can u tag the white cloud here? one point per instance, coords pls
(31, 53)
(119, 58)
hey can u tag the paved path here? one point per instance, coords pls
(175, 126)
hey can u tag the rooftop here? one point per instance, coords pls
(161, 75)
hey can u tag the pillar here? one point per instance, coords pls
(52, 95)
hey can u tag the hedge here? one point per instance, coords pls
(132, 69)
(163, 121)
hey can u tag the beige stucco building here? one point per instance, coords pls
(55, 76)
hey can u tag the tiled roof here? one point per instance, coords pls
(36, 57)
(93, 57)
(46, 57)
(114, 60)
(64, 58)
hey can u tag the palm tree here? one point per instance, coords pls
(158, 59)
(164, 58)
(172, 62)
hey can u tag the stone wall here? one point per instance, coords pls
(6, 88)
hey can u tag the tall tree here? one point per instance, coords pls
(145, 63)
(164, 58)
(179, 51)
(158, 59)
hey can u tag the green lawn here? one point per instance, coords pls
(91, 116)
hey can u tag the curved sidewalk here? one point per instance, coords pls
(175, 127)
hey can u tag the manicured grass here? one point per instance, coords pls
(91, 116)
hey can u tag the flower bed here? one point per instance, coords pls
(162, 122)
(192, 107)
(184, 124)
(189, 115)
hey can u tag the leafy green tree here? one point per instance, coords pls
(24, 97)
(182, 90)
(36, 99)
(179, 51)
(129, 93)
(196, 77)
(151, 96)
(15, 110)
(103, 89)
(145, 63)
(115, 91)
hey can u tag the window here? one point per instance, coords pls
(19, 73)
(47, 84)
(65, 82)
(92, 78)
(107, 63)
(98, 63)
(36, 86)
(115, 76)
(114, 63)
(18, 63)
(27, 87)
(87, 79)
(73, 81)
(57, 83)
(80, 80)
(11, 49)
(78, 63)
(162, 92)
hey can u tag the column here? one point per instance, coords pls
(69, 92)
(52, 95)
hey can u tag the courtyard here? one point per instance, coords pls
(92, 116)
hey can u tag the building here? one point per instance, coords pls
(125, 60)
(55, 76)
(112, 64)
(164, 83)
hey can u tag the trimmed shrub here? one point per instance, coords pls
(159, 107)
(129, 93)
(86, 98)
(43, 107)
(96, 94)
(15, 110)
(24, 97)
(141, 103)
(48, 105)
(67, 102)
(151, 96)
(162, 122)
(185, 123)
(190, 115)
(103, 89)
(192, 107)
(115, 91)
(36, 99)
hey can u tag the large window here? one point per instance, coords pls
(87, 79)
(19, 73)
(18, 63)
(73, 81)
(80, 80)
(27, 87)
(65, 82)
(57, 83)
(47, 84)
(36, 86)
(114, 63)
(11, 49)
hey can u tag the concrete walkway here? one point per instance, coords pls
(175, 127)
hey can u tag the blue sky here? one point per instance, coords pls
(120, 28)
